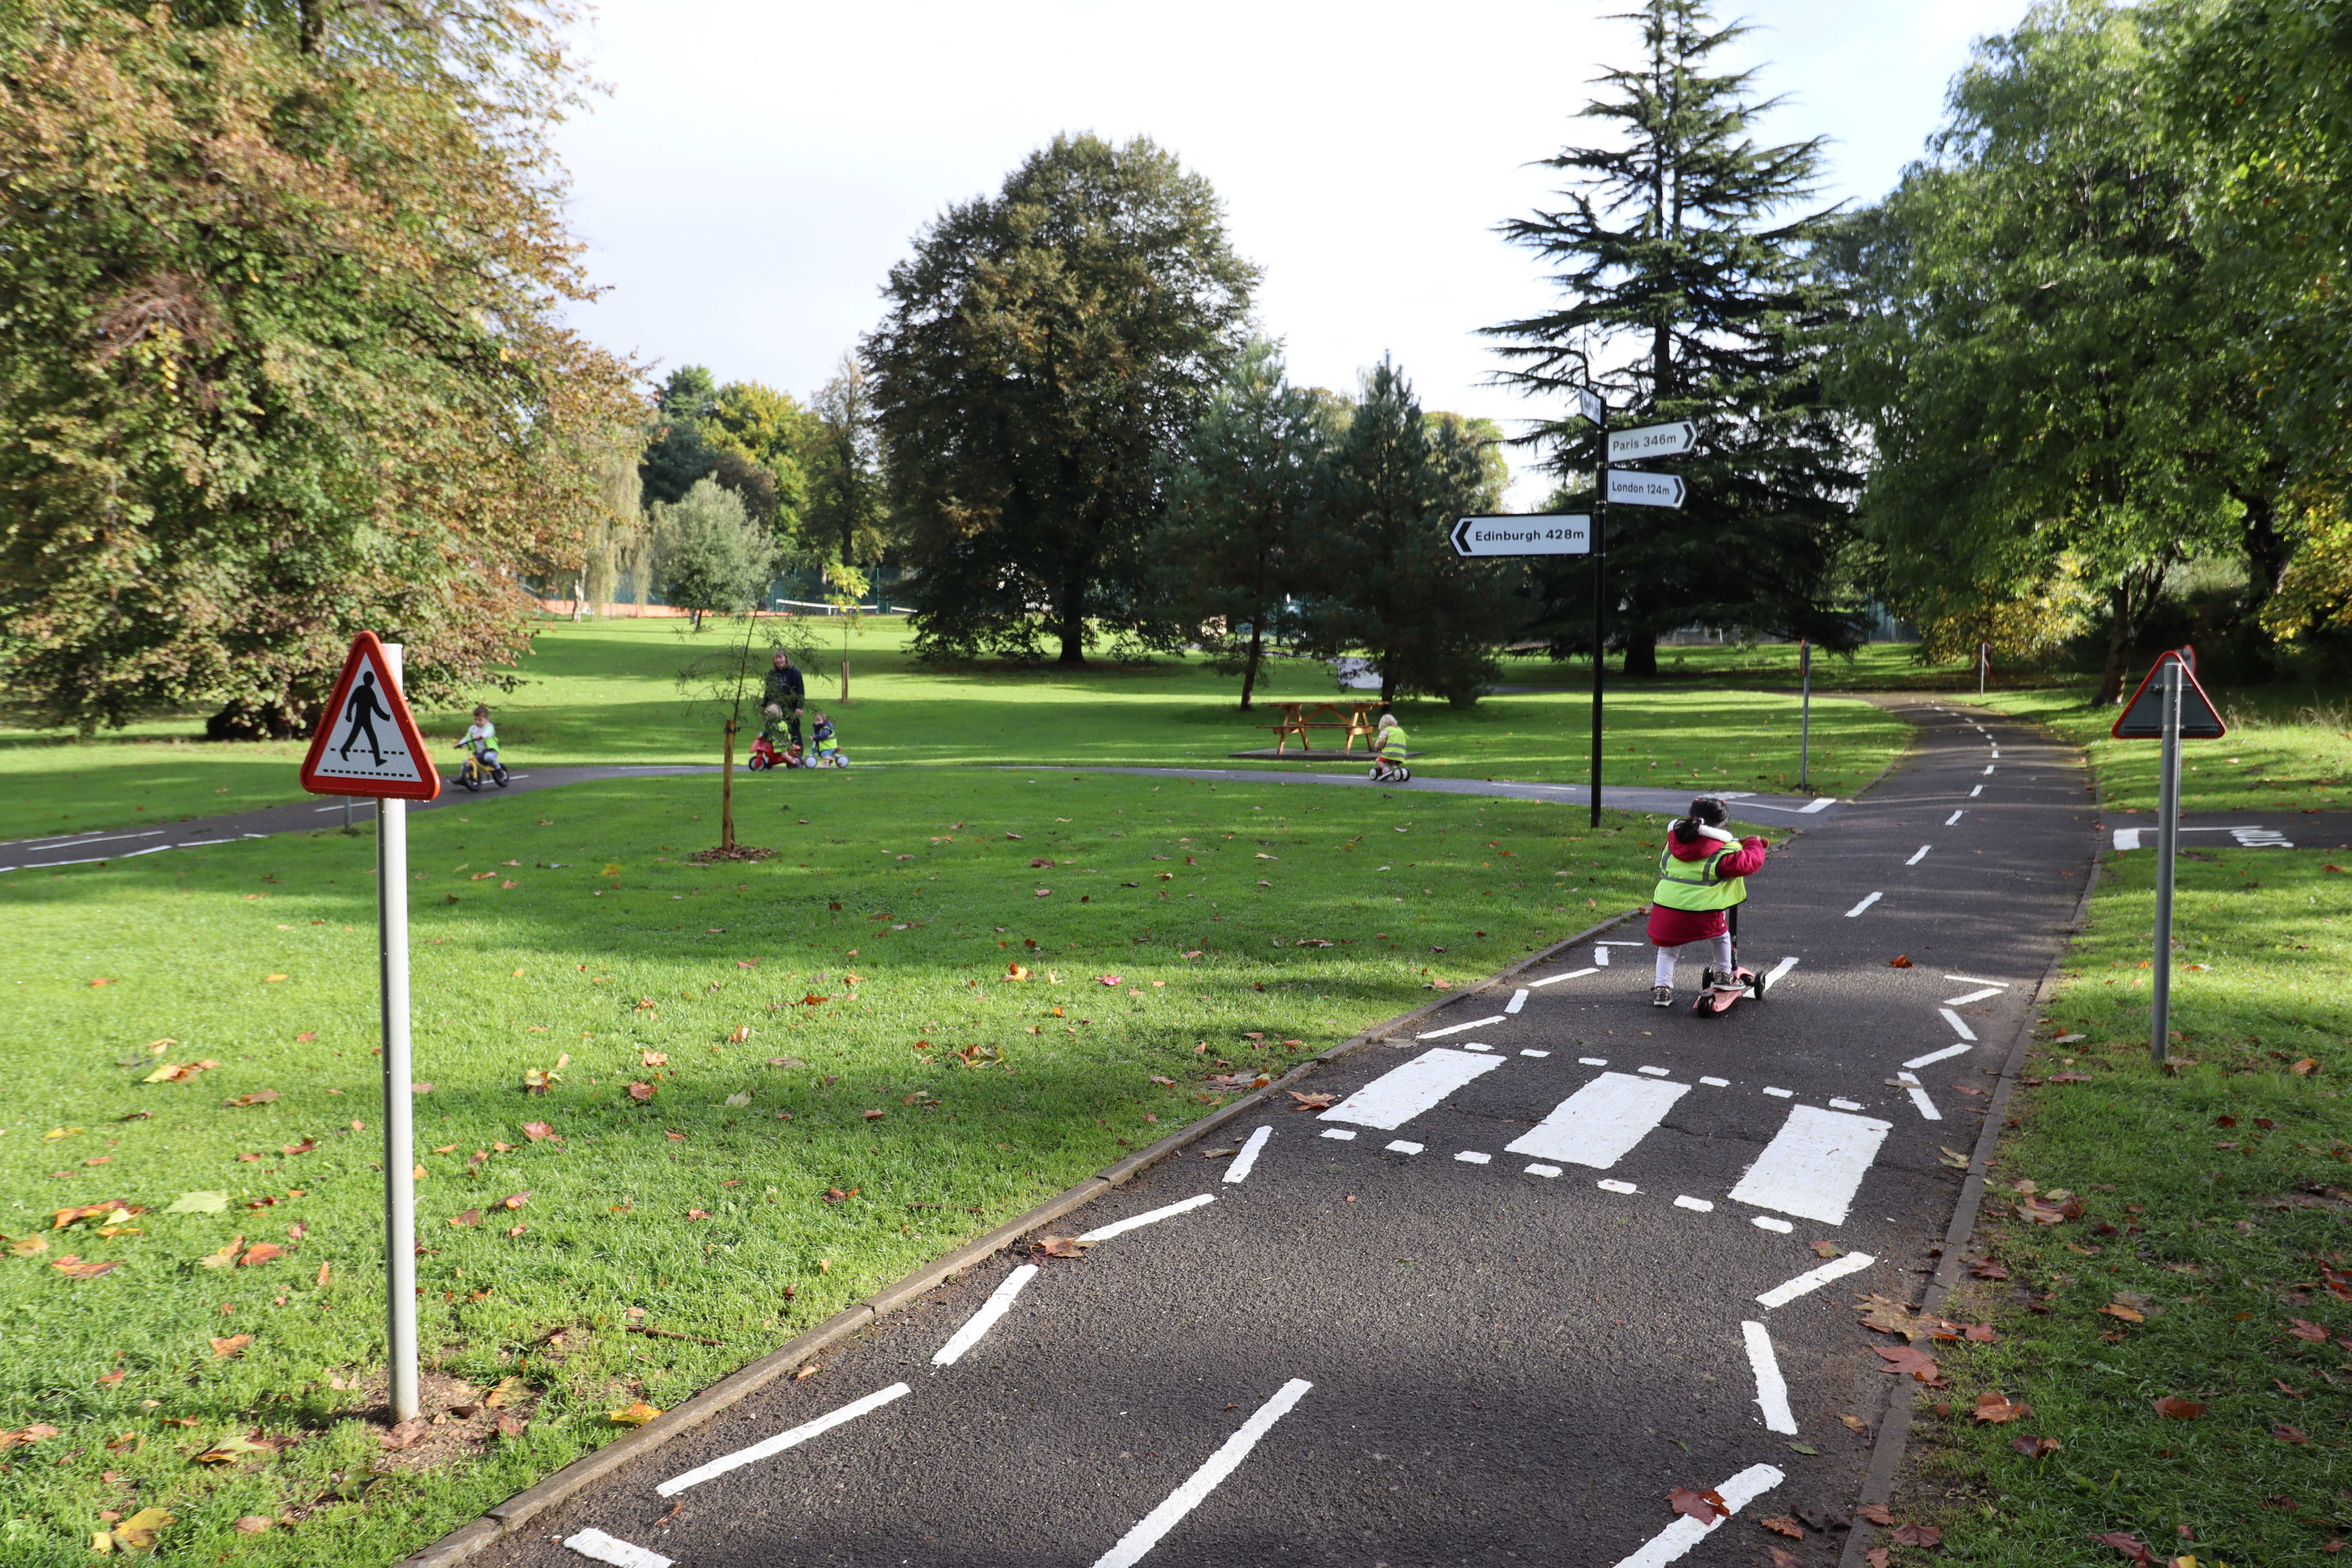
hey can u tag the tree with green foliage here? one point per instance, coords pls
(2042, 358)
(1240, 491)
(678, 452)
(845, 518)
(1379, 575)
(1044, 348)
(281, 353)
(714, 559)
(1674, 248)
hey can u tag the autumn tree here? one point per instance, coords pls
(846, 518)
(1690, 293)
(1043, 349)
(287, 359)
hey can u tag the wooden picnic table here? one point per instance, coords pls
(1298, 718)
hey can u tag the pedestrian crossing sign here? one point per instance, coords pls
(367, 743)
(2143, 716)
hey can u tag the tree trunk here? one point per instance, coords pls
(1641, 653)
(2267, 551)
(727, 792)
(697, 620)
(1074, 638)
(1249, 670)
(2119, 643)
(579, 598)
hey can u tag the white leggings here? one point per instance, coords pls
(1718, 947)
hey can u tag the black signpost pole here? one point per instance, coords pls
(1600, 576)
(2167, 843)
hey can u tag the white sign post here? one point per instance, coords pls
(1628, 488)
(1533, 533)
(1653, 441)
(351, 755)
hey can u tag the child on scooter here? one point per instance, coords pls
(1702, 875)
(1387, 752)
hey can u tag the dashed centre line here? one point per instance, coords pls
(1771, 1388)
(1670, 1544)
(791, 1437)
(603, 1548)
(1459, 1028)
(1955, 816)
(1246, 1161)
(1959, 1023)
(1864, 905)
(1921, 854)
(1814, 1278)
(1147, 1531)
(1153, 1216)
(980, 1322)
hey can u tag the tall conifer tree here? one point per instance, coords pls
(1690, 296)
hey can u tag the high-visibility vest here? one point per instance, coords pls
(1392, 740)
(1693, 885)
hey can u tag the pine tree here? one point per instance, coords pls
(1673, 252)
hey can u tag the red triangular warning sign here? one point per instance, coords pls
(2143, 716)
(367, 743)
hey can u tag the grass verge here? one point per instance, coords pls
(2289, 749)
(2172, 1317)
(607, 693)
(767, 1090)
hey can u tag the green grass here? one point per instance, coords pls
(2211, 1200)
(259, 956)
(2289, 749)
(607, 693)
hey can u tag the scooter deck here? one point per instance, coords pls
(1713, 1003)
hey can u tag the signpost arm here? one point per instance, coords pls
(2167, 843)
(399, 1100)
(1600, 576)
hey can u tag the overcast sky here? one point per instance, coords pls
(757, 168)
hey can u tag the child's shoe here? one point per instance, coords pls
(1662, 996)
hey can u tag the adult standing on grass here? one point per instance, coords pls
(786, 691)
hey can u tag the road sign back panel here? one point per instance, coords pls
(2143, 716)
(367, 743)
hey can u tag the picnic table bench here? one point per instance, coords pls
(1299, 718)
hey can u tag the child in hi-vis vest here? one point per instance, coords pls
(1702, 875)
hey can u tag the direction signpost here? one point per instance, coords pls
(368, 744)
(1628, 488)
(1653, 441)
(1532, 534)
(2168, 706)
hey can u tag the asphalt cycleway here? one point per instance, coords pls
(1541, 1263)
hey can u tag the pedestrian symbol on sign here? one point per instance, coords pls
(367, 745)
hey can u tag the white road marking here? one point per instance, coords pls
(1771, 1222)
(1978, 980)
(1920, 1097)
(980, 1322)
(1670, 1544)
(1593, 1061)
(1846, 1105)
(1608, 1187)
(1633, 944)
(1963, 1000)
(1932, 1057)
(1537, 1055)
(1401, 1147)
(1717, 1082)
(1814, 1164)
(1780, 969)
(2126, 838)
(1654, 1072)
(1814, 1278)
(1771, 1388)
(105, 839)
(1976, 792)
(1474, 1045)
(1921, 855)
(1136, 1221)
(1246, 1161)
(1342, 1134)
(1996, 752)
(1988, 771)
(1599, 1124)
(1864, 905)
(1554, 979)
(1399, 1095)
(1701, 1205)
(604, 1547)
(1954, 817)
(1780, 1093)
(1827, 800)
(1543, 1171)
(1600, 956)
(1146, 1535)
(1459, 1028)
(782, 1440)
(1472, 1157)
(1959, 1023)
(1519, 1000)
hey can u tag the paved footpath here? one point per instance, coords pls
(1540, 1264)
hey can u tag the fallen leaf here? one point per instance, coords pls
(1059, 1245)
(2118, 1311)
(1889, 1317)
(1875, 1512)
(26, 1246)
(641, 1091)
(224, 1349)
(231, 1449)
(1826, 1249)
(739, 1100)
(871, 1115)
(635, 1414)
(73, 1267)
(1993, 1405)
(1854, 1423)
(2173, 1407)
(1313, 1101)
(1783, 1524)
(1917, 1535)
(258, 1096)
(2286, 1433)
(2035, 1447)
(1986, 1269)
(254, 1524)
(2130, 1545)
(514, 1200)
(470, 1217)
(261, 1254)
(37, 1432)
(2303, 1330)
(1900, 961)
(2306, 1067)
(511, 1427)
(222, 1258)
(138, 1533)
(406, 1433)
(1908, 1361)
(1706, 1506)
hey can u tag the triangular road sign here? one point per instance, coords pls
(2143, 716)
(367, 743)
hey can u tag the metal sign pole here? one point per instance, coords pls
(1600, 576)
(399, 1100)
(1805, 722)
(2167, 843)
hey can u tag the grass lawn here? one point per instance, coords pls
(2289, 749)
(2212, 1208)
(606, 692)
(774, 1087)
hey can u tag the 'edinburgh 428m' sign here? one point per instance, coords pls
(1539, 533)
